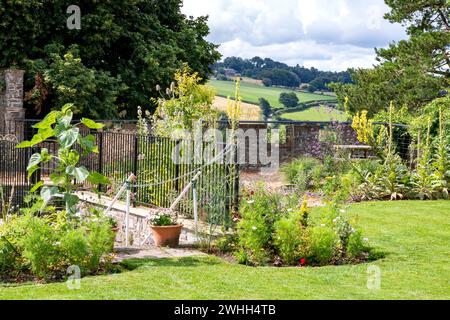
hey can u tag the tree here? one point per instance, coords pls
(411, 72)
(289, 99)
(265, 108)
(280, 74)
(126, 48)
(187, 103)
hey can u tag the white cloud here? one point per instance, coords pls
(326, 34)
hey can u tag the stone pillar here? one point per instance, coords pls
(11, 105)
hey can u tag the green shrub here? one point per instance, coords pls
(259, 210)
(356, 245)
(300, 172)
(288, 232)
(100, 241)
(322, 244)
(74, 247)
(8, 257)
(39, 245)
(46, 246)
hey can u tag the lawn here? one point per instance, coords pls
(252, 92)
(414, 236)
(321, 113)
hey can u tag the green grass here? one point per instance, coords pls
(252, 92)
(321, 113)
(414, 236)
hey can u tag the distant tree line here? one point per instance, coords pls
(274, 73)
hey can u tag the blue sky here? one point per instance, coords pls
(326, 34)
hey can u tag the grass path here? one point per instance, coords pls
(414, 235)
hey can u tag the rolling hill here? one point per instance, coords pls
(251, 93)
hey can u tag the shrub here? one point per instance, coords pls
(288, 233)
(100, 241)
(46, 246)
(260, 210)
(322, 242)
(74, 247)
(274, 226)
(8, 257)
(356, 245)
(39, 245)
(301, 172)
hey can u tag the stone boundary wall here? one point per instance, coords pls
(11, 99)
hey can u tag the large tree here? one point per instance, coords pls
(122, 51)
(411, 72)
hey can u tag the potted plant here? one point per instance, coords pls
(165, 229)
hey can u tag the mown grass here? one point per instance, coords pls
(413, 235)
(320, 113)
(252, 92)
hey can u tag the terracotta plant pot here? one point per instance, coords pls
(166, 236)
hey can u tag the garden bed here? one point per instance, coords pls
(412, 241)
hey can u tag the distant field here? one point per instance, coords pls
(248, 111)
(321, 113)
(252, 92)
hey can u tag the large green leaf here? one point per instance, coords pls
(97, 178)
(48, 121)
(68, 137)
(39, 137)
(47, 193)
(91, 124)
(38, 158)
(66, 119)
(71, 201)
(88, 144)
(80, 173)
(37, 186)
(66, 107)
(35, 160)
(32, 170)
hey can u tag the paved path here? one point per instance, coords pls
(154, 253)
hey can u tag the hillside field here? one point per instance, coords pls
(320, 113)
(252, 92)
(248, 111)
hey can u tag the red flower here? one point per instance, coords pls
(302, 261)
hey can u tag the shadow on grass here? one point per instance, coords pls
(132, 264)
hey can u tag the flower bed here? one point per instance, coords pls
(276, 229)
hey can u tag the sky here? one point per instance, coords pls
(325, 34)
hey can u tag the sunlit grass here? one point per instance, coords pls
(414, 236)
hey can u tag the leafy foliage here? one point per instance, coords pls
(47, 245)
(58, 125)
(188, 103)
(274, 225)
(289, 99)
(411, 72)
(126, 49)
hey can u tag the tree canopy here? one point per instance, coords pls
(289, 99)
(122, 51)
(411, 72)
(274, 73)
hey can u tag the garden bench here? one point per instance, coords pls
(354, 150)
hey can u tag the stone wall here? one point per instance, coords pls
(315, 139)
(11, 99)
